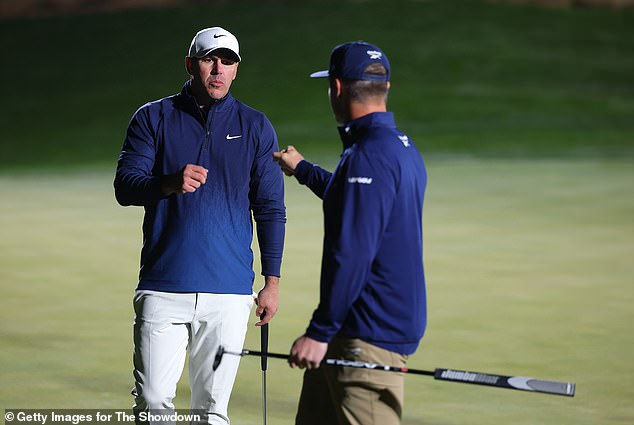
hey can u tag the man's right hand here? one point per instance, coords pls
(307, 353)
(187, 180)
(288, 159)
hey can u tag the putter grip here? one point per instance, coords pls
(264, 343)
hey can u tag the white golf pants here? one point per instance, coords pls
(165, 325)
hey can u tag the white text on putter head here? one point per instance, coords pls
(360, 180)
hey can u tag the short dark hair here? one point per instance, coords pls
(361, 90)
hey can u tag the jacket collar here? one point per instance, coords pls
(190, 101)
(353, 131)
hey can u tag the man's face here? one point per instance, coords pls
(213, 74)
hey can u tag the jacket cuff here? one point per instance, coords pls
(315, 334)
(303, 170)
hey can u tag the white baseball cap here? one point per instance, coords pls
(210, 39)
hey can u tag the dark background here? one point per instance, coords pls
(470, 78)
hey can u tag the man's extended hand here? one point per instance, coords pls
(187, 180)
(307, 353)
(268, 299)
(288, 159)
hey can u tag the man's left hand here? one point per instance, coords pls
(268, 300)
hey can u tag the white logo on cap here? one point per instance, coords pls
(374, 54)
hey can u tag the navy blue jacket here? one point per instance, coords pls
(372, 278)
(201, 241)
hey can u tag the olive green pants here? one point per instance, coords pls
(335, 395)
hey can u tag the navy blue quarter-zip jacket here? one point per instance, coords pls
(201, 241)
(372, 278)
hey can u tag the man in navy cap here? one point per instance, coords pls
(372, 304)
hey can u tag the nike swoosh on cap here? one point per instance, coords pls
(219, 35)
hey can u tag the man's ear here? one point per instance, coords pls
(338, 87)
(189, 65)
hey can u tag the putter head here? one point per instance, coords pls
(218, 357)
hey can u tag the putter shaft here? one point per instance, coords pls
(264, 397)
(264, 347)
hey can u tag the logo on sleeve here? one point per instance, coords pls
(360, 180)
(405, 141)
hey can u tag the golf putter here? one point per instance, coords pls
(264, 348)
(521, 383)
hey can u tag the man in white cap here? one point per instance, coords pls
(199, 162)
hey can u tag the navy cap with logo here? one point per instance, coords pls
(349, 60)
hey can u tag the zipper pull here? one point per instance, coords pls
(207, 138)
